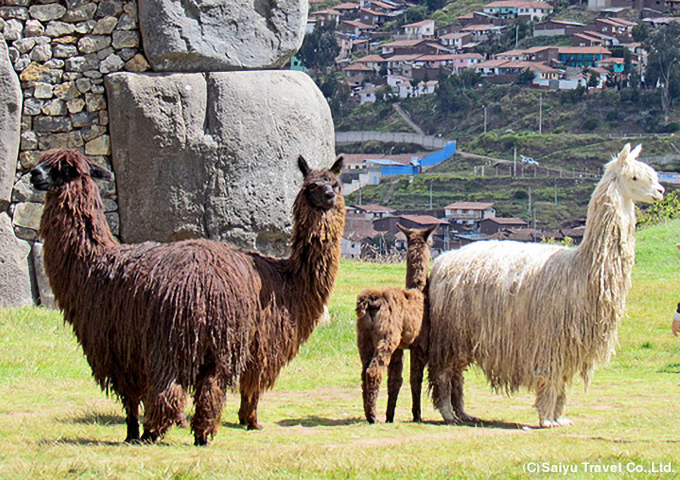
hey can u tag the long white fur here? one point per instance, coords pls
(536, 315)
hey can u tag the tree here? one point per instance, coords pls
(525, 77)
(663, 45)
(320, 47)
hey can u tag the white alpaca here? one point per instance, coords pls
(535, 315)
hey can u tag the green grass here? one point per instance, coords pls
(55, 422)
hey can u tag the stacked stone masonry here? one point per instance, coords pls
(210, 151)
(61, 53)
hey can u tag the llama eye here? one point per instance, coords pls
(634, 178)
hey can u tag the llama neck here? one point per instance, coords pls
(73, 223)
(314, 259)
(607, 252)
(417, 266)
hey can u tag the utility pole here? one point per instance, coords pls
(540, 113)
(529, 209)
(484, 107)
(556, 192)
(514, 164)
(431, 194)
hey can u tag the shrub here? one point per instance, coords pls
(666, 209)
(590, 124)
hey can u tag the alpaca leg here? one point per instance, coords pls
(374, 375)
(560, 407)
(208, 399)
(394, 382)
(457, 399)
(132, 420)
(418, 362)
(546, 399)
(366, 350)
(162, 411)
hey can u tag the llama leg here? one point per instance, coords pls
(247, 413)
(208, 399)
(132, 420)
(441, 394)
(457, 402)
(546, 399)
(560, 406)
(394, 382)
(418, 362)
(162, 411)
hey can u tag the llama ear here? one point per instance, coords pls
(302, 165)
(100, 173)
(337, 166)
(429, 230)
(403, 229)
(635, 152)
(623, 154)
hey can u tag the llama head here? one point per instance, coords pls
(321, 187)
(416, 239)
(60, 167)
(638, 181)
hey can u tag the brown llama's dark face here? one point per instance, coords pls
(322, 187)
(60, 167)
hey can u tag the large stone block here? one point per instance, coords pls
(214, 155)
(15, 277)
(10, 125)
(221, 35)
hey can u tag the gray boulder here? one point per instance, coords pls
(15, 277)
(214, 155)
(221, 35)
(45, 293)
(10, 125)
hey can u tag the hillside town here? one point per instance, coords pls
(380, 55)
(409, 61)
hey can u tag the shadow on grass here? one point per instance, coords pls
(83, 442)
(95, 418)
(313, 421)
(498, 424)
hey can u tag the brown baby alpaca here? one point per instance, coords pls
(390, 320)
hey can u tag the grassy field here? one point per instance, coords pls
(55, 423)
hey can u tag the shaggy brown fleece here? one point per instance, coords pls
(390, 320)
(157, 320)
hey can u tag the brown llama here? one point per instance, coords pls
(158, 320)
(390, 320)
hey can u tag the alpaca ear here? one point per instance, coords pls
(337, 166)
(403, 229)
(623, 154)
(100, 173)
(633, 155)
(302, 165)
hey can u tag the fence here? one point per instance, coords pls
(428, 142)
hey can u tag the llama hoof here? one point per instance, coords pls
(254, 426)
(452, 421)
(548, 424)
(564, 422)
(133, 441)
(465, 418)
(201, 442)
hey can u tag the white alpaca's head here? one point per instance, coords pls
(637, 181)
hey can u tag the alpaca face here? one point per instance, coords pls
(58, 168)
(639, 182)
(322, 187)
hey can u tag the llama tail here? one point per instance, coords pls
(369, 304)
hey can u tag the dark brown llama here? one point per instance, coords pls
(390, 320)
(158, 320)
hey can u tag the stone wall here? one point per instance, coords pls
(221, 146)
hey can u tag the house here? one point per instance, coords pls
(353, 241)
(479, 18)
(456, 40)
(450, 28)
(381, 7)
(348, 11)
(490, 226)
(401, 64)
(439, 236)
(618, 28)
(518, 8)
(356, 28)
(424, 29)
(587, 40)
(551, 28)
(469, 212)
(324, 17)
(358, 72)
(363, 216)
(481, 33)
(375, 62)
(582, 56)
(370, 17)
(466, 60)
(407, 47)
